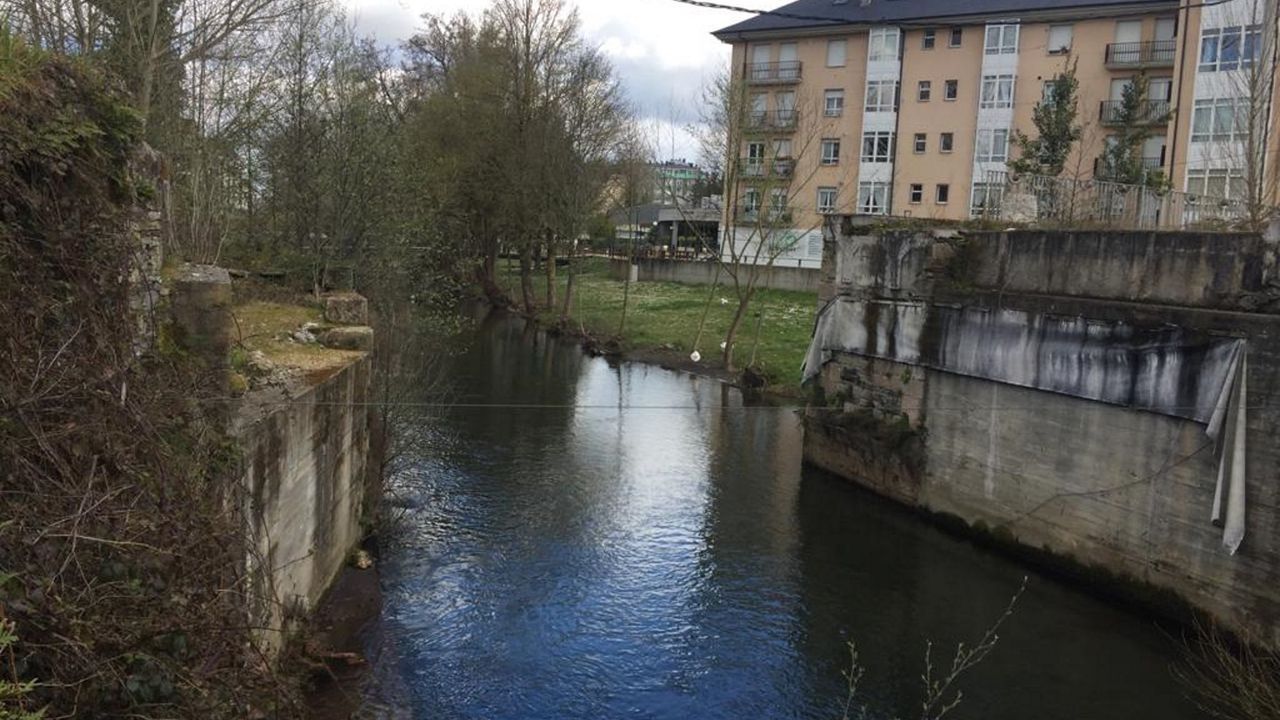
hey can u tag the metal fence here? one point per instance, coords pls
(1074, 203)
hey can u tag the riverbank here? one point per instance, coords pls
(662, 323)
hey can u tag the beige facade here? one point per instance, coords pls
(948, 138)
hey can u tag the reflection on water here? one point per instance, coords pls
(631, 542)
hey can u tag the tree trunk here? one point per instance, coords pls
(526, 278)
(489, 273)
(568, 289)
(626, 291)
(551, 271)
(743, 303)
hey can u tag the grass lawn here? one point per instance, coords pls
(666, 315)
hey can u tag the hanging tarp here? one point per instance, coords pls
(1166, 370)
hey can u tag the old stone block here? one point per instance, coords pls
(201, 304)
(348, 338)
(346, 309)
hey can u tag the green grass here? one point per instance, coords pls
(666, 315)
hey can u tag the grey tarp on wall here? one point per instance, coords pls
(1165, 370)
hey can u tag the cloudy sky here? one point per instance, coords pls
(663, 50)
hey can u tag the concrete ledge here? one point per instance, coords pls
(348, 338)
(346, 309)
(703, 272)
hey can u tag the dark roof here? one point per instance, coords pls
(891, 12)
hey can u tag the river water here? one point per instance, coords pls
(597, 541)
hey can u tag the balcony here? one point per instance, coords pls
(772, 121)
(1101, 170)
(1150, 112)
(779, 73)
(1125, 56)
(759, 168)
(772, 216)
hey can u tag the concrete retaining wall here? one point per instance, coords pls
(1109, 486)
(304, 479)
(695, 272)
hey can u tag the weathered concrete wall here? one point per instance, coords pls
(691, 272)
(1123, 481)
(304, 481)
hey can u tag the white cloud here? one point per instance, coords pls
(663, 50)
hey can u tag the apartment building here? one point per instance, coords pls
(909, 107)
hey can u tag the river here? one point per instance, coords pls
(620, 541)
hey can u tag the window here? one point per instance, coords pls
(834, 103)
(943, 194)
(1221, 119)
(782, 148)
(930, 39)
(884, 44)
(946, 142)
(917, 193)
(882, 95)
(1229, 48)
(830, 152)
(755, 159)
(836, 52)
(951, 90)
(1047, 92)
(957, 37)
(1059, 39)
(877, 147)
(1002, 39)
(925, 91)
(986, 198)
(1217, 183)
(921, 143)
(997, 91)
(778, 200)
(826, 200)
(873, 198)
(993, 146)
(751, 200)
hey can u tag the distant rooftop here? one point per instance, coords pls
(835, 13)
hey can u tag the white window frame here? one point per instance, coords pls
(993, 145)
(830, 151)
(828, 200)
(751, 200)
(876, 100)
(924, 91)
(1220, 120)
(1248, 40)
(955, 37)
(929, 40)
(950, 90)
(881, 144)
(937, 194)
(1199, 179)
(1061, 45)
(873, 198)
(981, 198)
(1001, 39)
(997, 91)
(884, 44)
(837, 58)
(943, 145)
(778, 200)
(920, 143)
(782, 148)
(833, 103)
(915, 193)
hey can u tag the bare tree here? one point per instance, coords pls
(769, 161)
(1237, 127)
